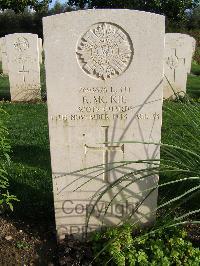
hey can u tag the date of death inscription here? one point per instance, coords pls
(102, 103)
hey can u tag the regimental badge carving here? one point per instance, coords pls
(21, 44)
(105, 51)
(172, 62)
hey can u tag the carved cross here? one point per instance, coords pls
(23, 71)
(174, 61)
(105, 149)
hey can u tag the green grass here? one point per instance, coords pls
(193, 82)
(181, 124)
(193, 86)
(30, 171)
(195, 69)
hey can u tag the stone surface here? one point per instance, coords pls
(0, 49)
(4, 56)
(40, 49)
(23, 64)
(8, 238)
(104, 72)
(179, 49)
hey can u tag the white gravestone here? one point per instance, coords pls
(4, 56)
(0, 49)
(23, 64)
(192, 44)
(40, 49)
(179, 49)
(104, 71)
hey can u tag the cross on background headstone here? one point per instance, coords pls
(105, 149)
(179, 49)
(23, 71)
(4, 56)
(174, 61)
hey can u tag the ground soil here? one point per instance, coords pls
(21, 244)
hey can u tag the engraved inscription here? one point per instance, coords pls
(105, 51)
(103, 104)
(21, 44)
(106, 149)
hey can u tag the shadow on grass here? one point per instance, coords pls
(33, 187)
(193, 86)
(36, 156)
(5, 95)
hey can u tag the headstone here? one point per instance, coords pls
(191, 52)
(23, 64)
(40, 49)
(4, 56)
(0, 49)
(179, 49)
(104, 72)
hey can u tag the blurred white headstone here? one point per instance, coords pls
(24, 68)
(179, 49)
(4, 56)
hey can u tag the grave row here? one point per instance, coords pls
(106, 71)
(21, 56)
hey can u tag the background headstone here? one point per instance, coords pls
(179, 49)
(0, 49)
(104, 71)
(192, 51)
(4, 56)
(40, 49)
(24, 68)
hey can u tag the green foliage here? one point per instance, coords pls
(194, 18)
(5, 197)
(20, 5)
(196, 35)
(59, 8)
(27, 21)
(22, 245)
(173, 9)
(123, 246)
(20, 22)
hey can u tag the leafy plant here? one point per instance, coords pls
(22, 245)
(123, 246)
(5, 198)
(179, 171)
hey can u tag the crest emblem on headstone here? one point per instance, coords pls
(105, 51)
(21, 44)
(172, 61)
